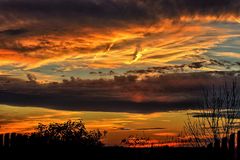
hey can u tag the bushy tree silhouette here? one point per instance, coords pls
(70, 132)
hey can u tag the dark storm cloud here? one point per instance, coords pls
(91, 12)
(16, 46)
(13, 32)
(175, 8)
(122, 94)
(81, 12)
(185, 67)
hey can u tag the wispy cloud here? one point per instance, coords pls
(112, 33)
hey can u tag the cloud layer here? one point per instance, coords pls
(122, 94)
(78, 34)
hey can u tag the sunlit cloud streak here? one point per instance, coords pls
(112, 33)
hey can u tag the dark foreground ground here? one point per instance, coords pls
(112, 153)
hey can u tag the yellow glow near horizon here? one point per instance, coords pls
(25, 119)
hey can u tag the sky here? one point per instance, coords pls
(130, 67)
(159, 126)
(116, 55)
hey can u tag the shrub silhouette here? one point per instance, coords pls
(70, 132)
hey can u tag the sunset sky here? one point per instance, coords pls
(100, 38)
(105, 45)
(121, 56)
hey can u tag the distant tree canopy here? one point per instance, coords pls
(70, 132)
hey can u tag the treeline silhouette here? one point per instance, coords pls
(73, 141)
(67, 133)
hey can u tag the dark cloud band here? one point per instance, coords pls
(113, 11)
(123, 94)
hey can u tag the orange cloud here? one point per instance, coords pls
(132, 45)
(14, 57)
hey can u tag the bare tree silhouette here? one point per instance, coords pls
(217, 117)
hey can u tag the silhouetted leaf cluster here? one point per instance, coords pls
(70, 132)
